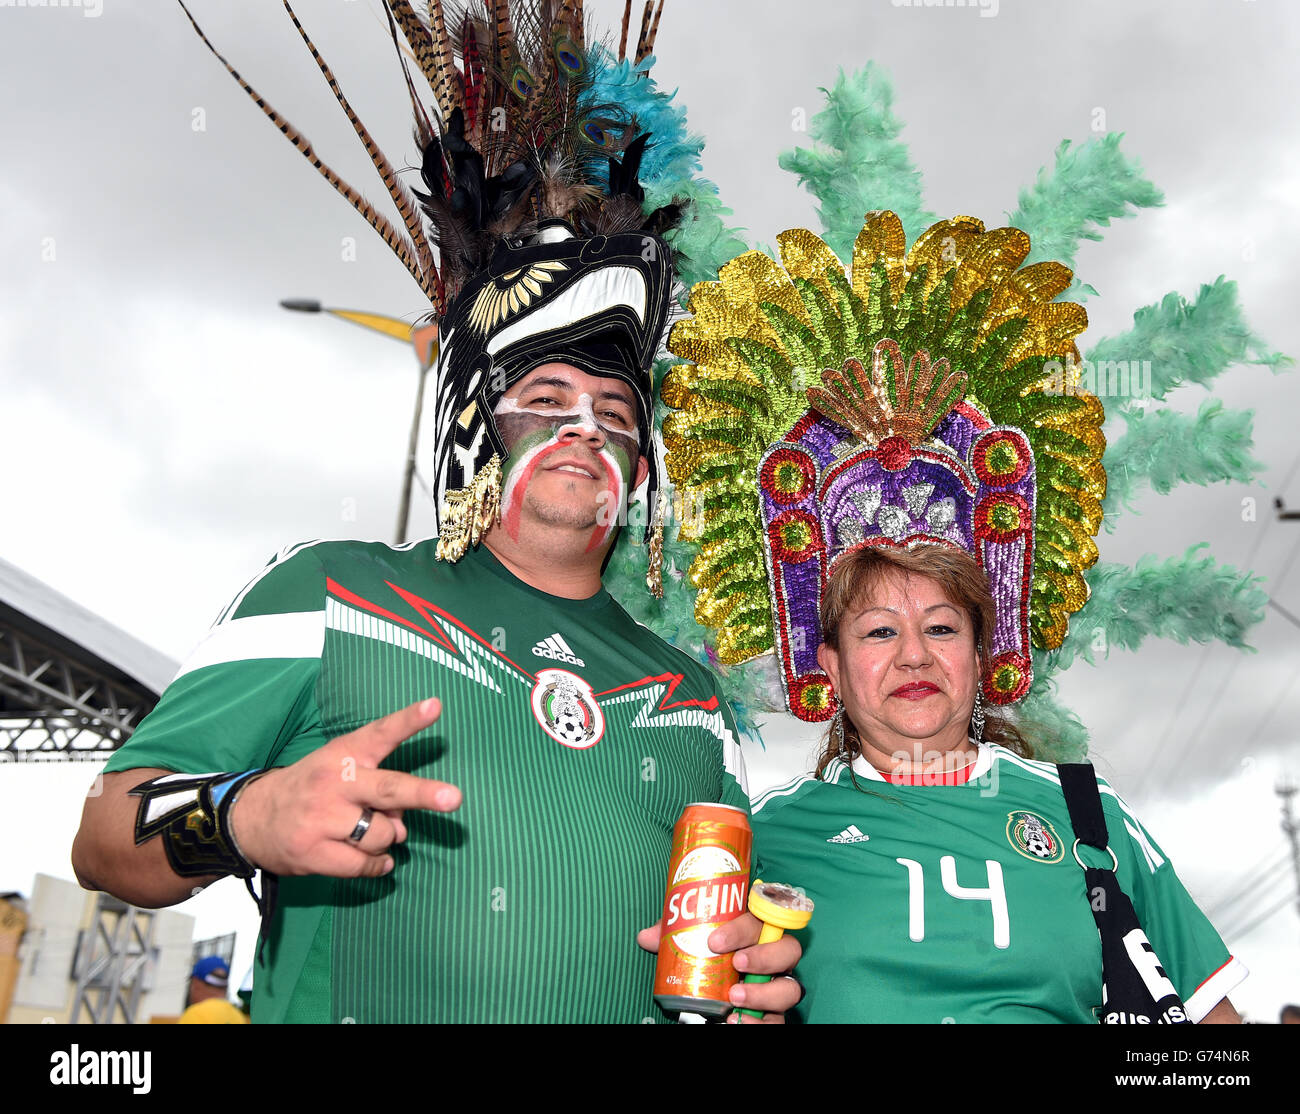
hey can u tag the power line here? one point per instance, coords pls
(1281, 576)
(1243, 933)
(1229, 673)
(1233, 893)
(1158, 749)
(1278, 607)
(1240, 910)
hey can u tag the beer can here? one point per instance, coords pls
(708, 885)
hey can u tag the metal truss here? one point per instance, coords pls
(54, 707)
(114, 963)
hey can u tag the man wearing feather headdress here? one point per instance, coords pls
(572, 735)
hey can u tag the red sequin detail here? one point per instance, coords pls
(1006, 444)
(1001, 506)
(894, 453)
(777, 472)
(1008, 677)
(812, 697)
(786, 529)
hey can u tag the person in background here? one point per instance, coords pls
(207, 1003)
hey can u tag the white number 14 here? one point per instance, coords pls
(994, 893)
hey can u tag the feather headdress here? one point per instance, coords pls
(530, 186)
(508, 134)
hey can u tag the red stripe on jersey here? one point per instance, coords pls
(337, 589)
(1211, 975)
(673, 679)
(424, 607)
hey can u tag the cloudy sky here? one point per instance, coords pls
(167, 426)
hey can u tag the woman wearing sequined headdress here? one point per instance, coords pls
(906, 507)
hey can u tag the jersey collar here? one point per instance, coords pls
(977, 769)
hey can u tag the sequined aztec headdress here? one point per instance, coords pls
(929, 396)
(531, 237)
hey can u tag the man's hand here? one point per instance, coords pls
(297, 819)
(741, 936)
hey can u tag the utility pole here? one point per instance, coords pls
(1286, 789)
(424, 338)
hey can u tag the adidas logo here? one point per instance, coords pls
(849, 835)
(557, 649)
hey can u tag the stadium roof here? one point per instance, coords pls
(33, 607)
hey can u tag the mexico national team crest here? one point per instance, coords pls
(566, 708)
(1034, 837)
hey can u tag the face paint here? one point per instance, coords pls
(533, 434)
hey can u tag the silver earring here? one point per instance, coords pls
(840, 748)
(977, 718)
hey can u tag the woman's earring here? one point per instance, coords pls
(977, 717)
(840, 748)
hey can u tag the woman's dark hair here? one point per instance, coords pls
(853, 585)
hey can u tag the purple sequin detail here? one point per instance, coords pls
(933, 498)
(1004, 563)
(803, 598)
(865, 500)
(957, 430)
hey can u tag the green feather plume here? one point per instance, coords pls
(1187, 599)
(865, 166)
(1162, 448)
(1054, 732)
(703, 241)
(1187, 342)
(1089, 186)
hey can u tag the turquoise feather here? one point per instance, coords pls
(862, 165)
(1161, 448)
(1088, 187)
(1191, 598)
(1187, 342)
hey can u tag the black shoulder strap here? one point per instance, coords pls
(1135, 988)
(1083, 799)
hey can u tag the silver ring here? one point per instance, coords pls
(363, 826)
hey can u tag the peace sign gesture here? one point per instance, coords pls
(308, 818)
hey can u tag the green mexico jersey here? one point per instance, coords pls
(576, 735)
(964, 902)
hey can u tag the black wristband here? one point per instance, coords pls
(192, 814)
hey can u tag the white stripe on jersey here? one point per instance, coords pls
(1154, 861)
(782, 790)
(1045, 770)
(733, 761)
(291, 551)
(733, 758)
(352, 620)
(273, 564)
(1216, 988)
(296, 634)
(1144, 837)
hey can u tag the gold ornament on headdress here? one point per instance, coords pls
(470, 512)
(654, 577)
(766, 339)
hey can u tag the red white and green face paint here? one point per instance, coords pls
(575, 450)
